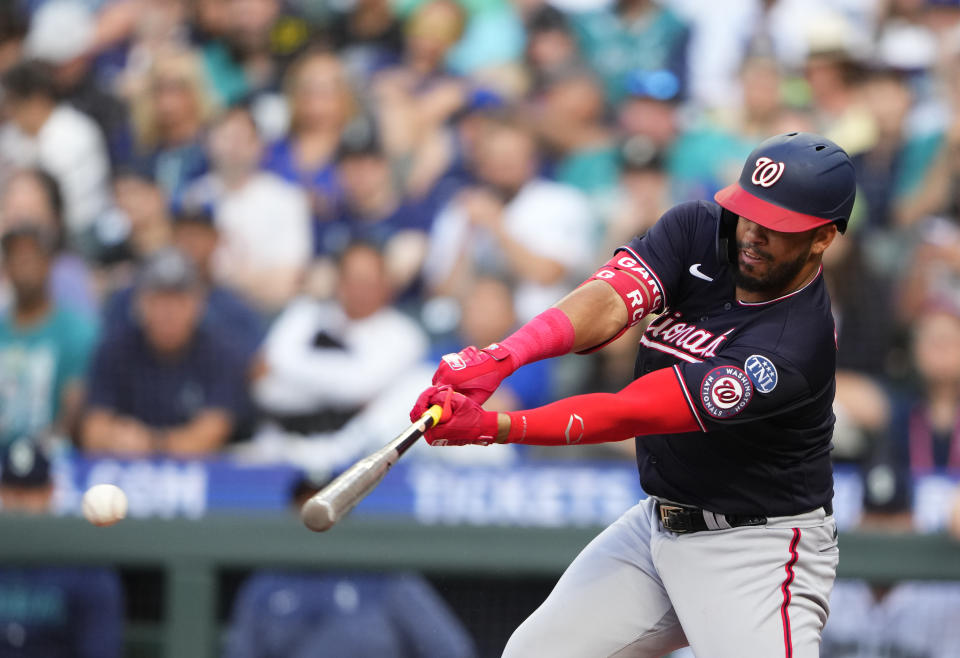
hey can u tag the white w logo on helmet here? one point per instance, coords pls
(767, 172)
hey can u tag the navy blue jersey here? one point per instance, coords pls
(759, 377)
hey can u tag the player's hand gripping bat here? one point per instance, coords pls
(335, 500)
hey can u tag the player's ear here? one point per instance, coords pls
(822, 238)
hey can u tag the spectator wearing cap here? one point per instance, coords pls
(885, 618)
(139, 225)
(263, 220)
(170, 384)
(170, 108)
(374, 210)
(511, 223)
(47, 133)
(328, 360)
(632, 35)
(44, 348)
(194, 232)
(62, 36)
(321, 104)
(32, 196)
(551, 43)
(52, 612)
(650, 107)
(643, 192)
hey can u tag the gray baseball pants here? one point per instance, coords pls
(638, 590)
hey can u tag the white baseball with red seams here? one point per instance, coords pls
(104, 504)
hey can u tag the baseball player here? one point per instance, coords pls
(735, 550)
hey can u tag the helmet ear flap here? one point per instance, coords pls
(727, 238)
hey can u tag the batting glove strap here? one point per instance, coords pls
(463, 422)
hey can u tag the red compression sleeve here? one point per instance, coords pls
(654, 404)
(547, 335)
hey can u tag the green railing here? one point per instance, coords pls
(192, 553)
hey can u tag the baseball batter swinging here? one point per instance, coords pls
(735, 551)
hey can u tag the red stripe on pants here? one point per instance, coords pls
(785, 588)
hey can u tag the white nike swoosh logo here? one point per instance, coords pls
(695, 271)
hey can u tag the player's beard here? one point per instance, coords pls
(777, 278)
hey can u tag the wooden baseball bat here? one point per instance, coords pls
(335, 500)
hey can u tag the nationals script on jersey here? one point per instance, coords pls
(759, 377)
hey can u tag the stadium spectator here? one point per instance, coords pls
(264, 221)
(643, 193)
(52, 612)
(415, 99)
(169, 384)
(514, 222)
(13, 30)
(46, 133)
(933, 271)
(141, 223)
(62, 35)
(890, 618)
(834, 74)
(32, 196)
(890, 172)
(361, 615)
(633, 35)
(194, 232)
(44, 348)
(925, 424)
(327, 360)
(571, 124)
(321, 103)
(374, 210)
(551, 44)
(259, 38)
(171, 106)
(368, 36)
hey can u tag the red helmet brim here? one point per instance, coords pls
(769, 215)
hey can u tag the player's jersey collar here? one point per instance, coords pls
(789, 294)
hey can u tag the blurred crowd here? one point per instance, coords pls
(252, 226)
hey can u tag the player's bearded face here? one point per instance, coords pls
(769, 261)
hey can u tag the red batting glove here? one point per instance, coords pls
(463, 422)
(476, 373)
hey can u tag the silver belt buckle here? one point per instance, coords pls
(666, 512)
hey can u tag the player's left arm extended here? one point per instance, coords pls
(654, 404)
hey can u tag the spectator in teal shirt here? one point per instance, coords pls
(44, 348)
(633, 35)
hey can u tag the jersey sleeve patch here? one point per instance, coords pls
(762, 373)
(725, 391)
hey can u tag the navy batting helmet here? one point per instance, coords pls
(793, 183)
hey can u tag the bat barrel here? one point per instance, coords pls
(318, 514)
(335, 500)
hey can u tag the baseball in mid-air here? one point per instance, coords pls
(104, 504)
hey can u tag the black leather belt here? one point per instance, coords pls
(686, 518)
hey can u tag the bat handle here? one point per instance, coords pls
(433, 412)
